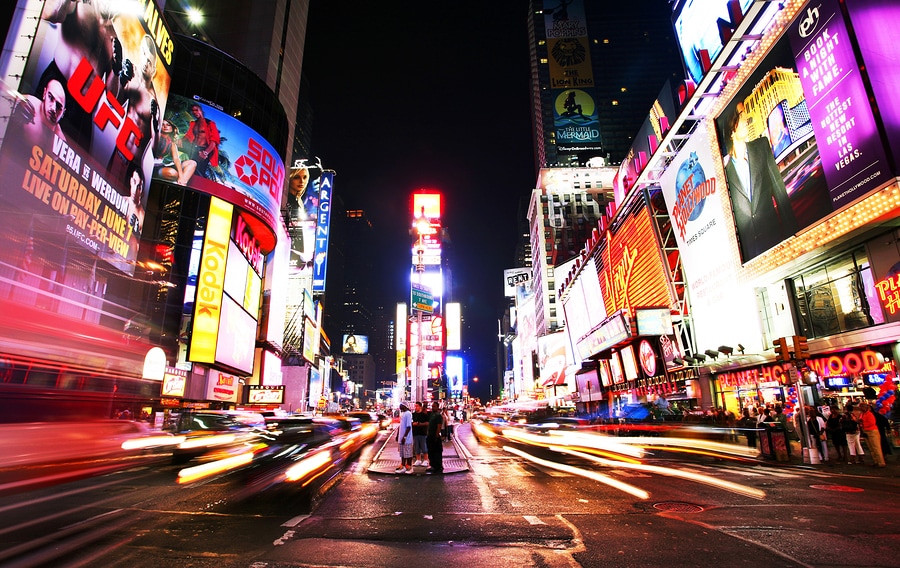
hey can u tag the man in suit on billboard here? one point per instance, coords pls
(762, 210)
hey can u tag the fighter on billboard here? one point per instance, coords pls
(90, 101)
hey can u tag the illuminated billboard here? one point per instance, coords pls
(210, 282)
(697, 201)
(228, 285)
(302, 206)
(575, 109)
(355, 344)
(323, 230)
(633, 273)
(702, 28)
(427, 205)
(453, 368)
(76, 170)
(453, 322)
(851, 152)
(877, 46)
(210, 151)
(552, 358)
(833, 156)
(265, 394)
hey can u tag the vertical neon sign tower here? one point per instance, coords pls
(426, 334)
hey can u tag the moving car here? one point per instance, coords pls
(210, 434)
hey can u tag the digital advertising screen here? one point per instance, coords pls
(210, 151)
(75, 164)
(355, 344)
(323, 232)
(799, 140)
(302, 206)
(83, 122)
(698, 28)
(633, 271)
(881, 59)
(697, 201)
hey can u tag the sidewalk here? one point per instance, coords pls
(797, 459)
(388, 457)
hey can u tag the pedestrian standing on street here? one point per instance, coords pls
(748, 425)
(870, 430)
(884, 425)
(420, 433)
(435, 445)
(405, 440)
(834, 429)
(815, 425)
(448, 423)
(850, 426)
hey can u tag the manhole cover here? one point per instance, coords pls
(678, 507)
(843, 488)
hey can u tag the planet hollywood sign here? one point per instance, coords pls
(839, 364)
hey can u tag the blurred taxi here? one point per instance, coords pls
(213, 434)
(358, 434)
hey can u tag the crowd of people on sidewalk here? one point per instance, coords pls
(420, 436)
(835, 434)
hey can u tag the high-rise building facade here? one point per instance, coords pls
(563, 215)
(596, 68)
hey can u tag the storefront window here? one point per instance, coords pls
(833, 298)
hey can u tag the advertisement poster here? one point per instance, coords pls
(204, 148)
(75, 164)
(323, 230)
(881, 58)
(696, 200)
(302, 211)
(772, 196)
(75, 157)
(698, 26)
(850, 147)
(222, 387)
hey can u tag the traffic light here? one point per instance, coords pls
(782, 353)
(801, 348)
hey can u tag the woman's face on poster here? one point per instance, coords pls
(299, 181)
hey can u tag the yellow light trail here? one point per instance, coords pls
(599, 477)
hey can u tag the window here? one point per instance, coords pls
(834, 297)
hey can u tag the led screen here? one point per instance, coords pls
(698, 28)
(831, 152)
(225, 158)
(237, 337)
(80, 116)
(355, 344)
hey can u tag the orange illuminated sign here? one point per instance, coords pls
(210, 282)
(632, 273)
(430, 203)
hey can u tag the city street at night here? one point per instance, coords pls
(504, 510)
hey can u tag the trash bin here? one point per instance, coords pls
(765, 443)
(780, 444)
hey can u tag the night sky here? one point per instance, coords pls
(435, 95)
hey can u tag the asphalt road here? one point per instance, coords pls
(508, 510)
